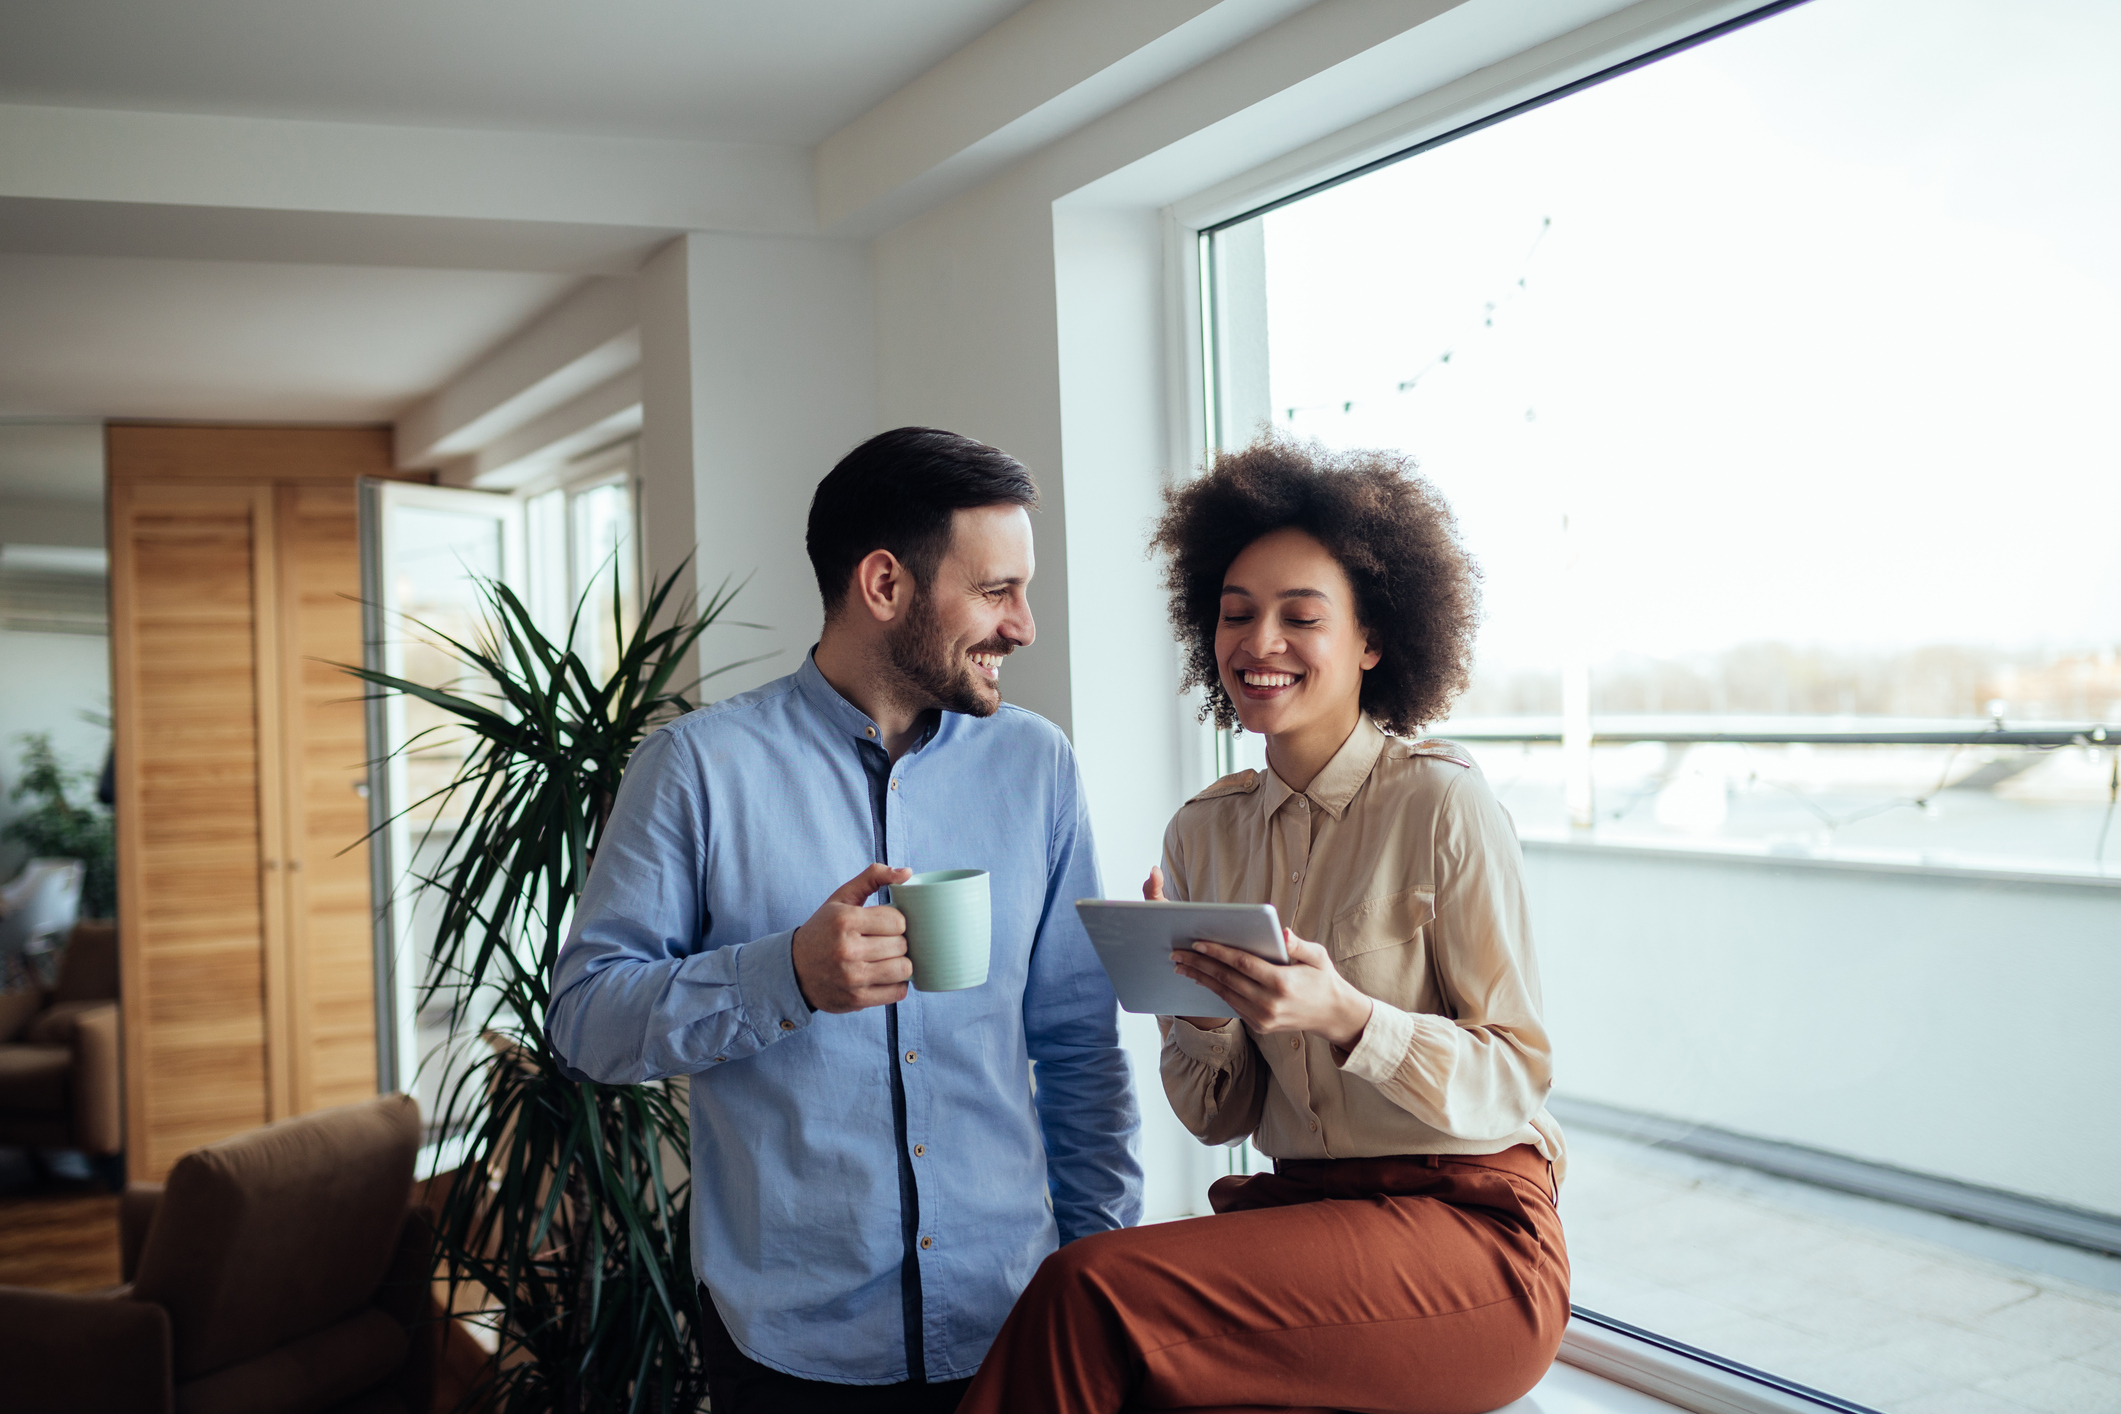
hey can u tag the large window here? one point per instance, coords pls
(585, 556)
(1772, 385)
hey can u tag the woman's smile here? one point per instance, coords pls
(1266, 684)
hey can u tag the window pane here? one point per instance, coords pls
(604, 572)
(1770, 384)
(436, 562)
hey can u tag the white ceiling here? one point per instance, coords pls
(292, 308)
(712, 69)
(103, 337)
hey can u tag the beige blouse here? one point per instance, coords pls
(1400, 861)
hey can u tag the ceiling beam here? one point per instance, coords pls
(283, 165)
(597, 418)
(1040, 74)
(586, 340)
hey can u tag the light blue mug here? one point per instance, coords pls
(949, 927)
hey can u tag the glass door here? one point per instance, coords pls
(425, 553)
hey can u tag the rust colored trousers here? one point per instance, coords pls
(1428, 1284)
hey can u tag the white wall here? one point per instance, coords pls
(966, 334)
(1955, 1026)
(758, 374)
(47, 680)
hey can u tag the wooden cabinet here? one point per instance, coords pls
(245, 917)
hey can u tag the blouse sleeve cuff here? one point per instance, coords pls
(1215, 1049)
(1383, 1046)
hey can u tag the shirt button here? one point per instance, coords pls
(868, 731)
(1297, 874)
(1302, 804)
(920, 1151)
(1296, 1043)
(1218, 1050)
(912, 1056)
(1314, 1126)
(719, 1059)
(894, 782)
(928, 1242)
(787, 1025)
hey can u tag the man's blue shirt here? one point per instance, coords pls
(732, 825)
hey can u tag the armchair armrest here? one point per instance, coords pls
(92, 1354)
(136, 1214)
(99, 1113)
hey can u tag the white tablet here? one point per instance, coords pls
(1135, 941)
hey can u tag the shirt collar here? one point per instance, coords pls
(1338, 780)
(826, 701)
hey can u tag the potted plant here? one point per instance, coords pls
(58, 826)
(569, 1217)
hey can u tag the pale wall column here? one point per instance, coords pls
(669, 456)
(1043, 331)
(966, 319)
(758, 373)
(1134, 739)
(1139, 749)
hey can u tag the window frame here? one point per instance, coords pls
(1642, 1359)
(1194, 225)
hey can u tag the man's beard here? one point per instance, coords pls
(931, 673)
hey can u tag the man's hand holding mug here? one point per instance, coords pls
(849, 956)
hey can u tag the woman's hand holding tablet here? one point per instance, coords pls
(1307, 993)
(1134, 941)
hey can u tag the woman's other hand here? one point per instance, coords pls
(1305, 994)
(1153, 891)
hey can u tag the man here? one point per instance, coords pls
(874, 1179)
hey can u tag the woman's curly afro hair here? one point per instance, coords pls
(1417, 592)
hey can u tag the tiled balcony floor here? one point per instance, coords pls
(1906, 1312)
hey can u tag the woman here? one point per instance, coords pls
(1405, 1254)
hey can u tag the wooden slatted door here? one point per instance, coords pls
(193, 648)
(245, 920)
(331, 924)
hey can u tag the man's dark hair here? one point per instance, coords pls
(897, 492)
(1417, 592)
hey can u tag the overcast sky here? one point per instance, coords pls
(1823, 344)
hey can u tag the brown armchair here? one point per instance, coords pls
(59, 1078)
(283, 1271)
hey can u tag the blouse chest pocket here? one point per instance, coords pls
(1377, 945)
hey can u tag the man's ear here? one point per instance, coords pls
(883, 586)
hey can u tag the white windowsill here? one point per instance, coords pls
(1633, 1376)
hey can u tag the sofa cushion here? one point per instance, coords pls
(88, 969)
(56, 1026)
(33, 1079)
(279, 1232)
(17, 1009)
(305, 1376)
